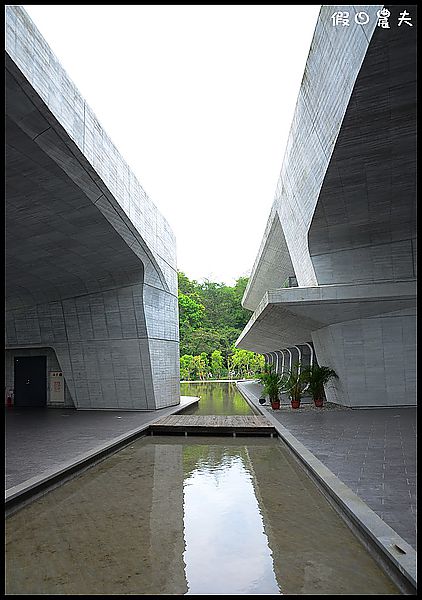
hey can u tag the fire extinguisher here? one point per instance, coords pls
(9, 399)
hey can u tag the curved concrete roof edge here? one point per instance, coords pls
(262, 275)
(84, 129)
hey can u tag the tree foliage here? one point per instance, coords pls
(211, 318)
(216, 363)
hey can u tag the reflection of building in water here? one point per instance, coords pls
(277, 507)
(314, 552)
(118, 528)
(166, 520)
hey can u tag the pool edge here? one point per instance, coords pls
(378, 537)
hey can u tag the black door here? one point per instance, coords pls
(31, 381)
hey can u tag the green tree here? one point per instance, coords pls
(243, 363)
(186, 367)
(211, 318)
(206, 364)
(195, 341)
(186, 286)
(199, 367)
(216, 364)
(191, 312)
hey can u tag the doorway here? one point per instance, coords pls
(30, 381)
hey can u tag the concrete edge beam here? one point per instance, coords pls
(377, 536)
(306, 309)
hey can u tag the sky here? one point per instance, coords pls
(199, 101)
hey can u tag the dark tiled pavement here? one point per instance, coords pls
(373, 451)
(40, 440)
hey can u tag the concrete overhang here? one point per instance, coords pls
(288, 316)
(273, 264)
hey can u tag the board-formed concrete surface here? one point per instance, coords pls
(343, 220)
(91, 279)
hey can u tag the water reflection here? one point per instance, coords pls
(215, 399)
(227, 549)
(176, 515)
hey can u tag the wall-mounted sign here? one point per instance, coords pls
(56, 387)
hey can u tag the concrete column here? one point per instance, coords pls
(299, 353)
(311, 360)
(290, 359)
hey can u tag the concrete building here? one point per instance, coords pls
(335, 276)
(91, 279)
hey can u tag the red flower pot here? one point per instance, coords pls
(275, 404)
(318, 402)
(295, 403)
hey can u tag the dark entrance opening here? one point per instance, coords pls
(30, 381)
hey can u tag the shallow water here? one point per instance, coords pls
(215, 399)
(176, 515)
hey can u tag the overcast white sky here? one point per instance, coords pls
(199, 101)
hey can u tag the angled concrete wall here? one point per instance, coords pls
(90, 262)
(344, 215)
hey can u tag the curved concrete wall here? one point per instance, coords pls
(91, 263)
(344, 215)
(363, 228)
(335, 58)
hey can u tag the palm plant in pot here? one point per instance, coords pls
(294, 383)
(317, 377)
(272, 383)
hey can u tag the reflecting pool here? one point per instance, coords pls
(215, 399)
(196, 515)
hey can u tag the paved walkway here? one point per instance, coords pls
(373, 451)
(41, 440)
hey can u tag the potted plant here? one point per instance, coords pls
(294, 384)
(317, 377)
(272, 383)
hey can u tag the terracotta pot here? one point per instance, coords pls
(275, 404)
(318, 402)
(295, 403)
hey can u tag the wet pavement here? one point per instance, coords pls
(372, 451)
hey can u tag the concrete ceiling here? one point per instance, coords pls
(59, 241)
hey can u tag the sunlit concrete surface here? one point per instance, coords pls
(91, 280)
(343, 222)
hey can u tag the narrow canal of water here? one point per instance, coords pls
(195, 515)
(215, 399)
